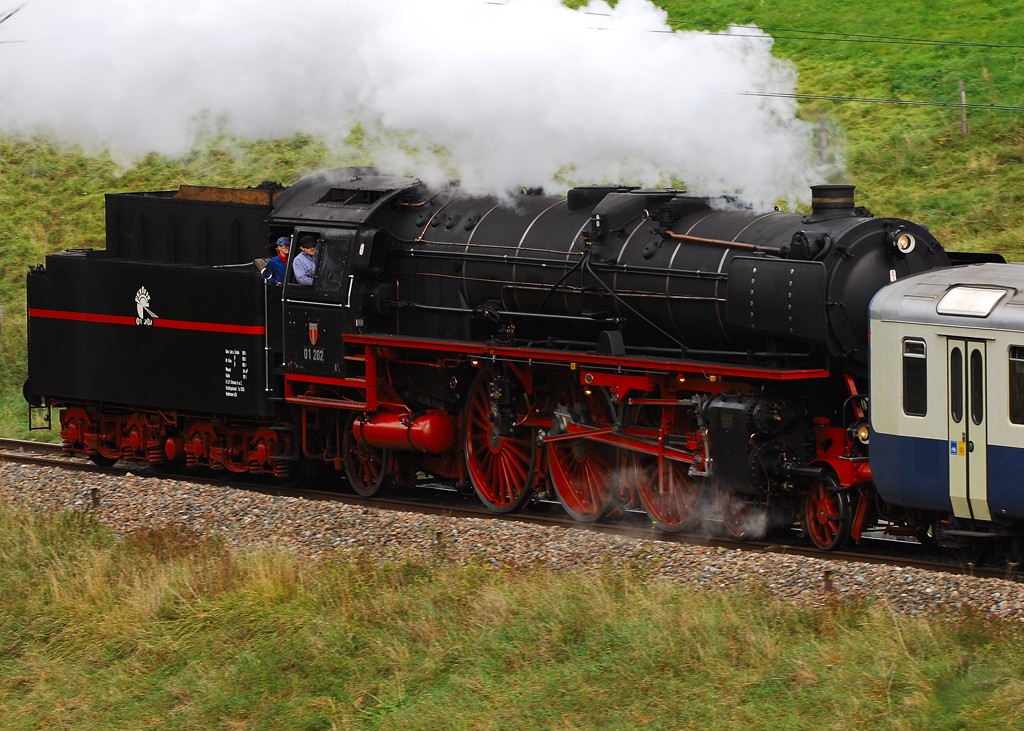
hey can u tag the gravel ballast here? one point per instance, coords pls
(318, 529)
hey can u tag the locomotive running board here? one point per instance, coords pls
(707, 370)
(293, 381)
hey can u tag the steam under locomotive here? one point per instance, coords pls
(613, 349)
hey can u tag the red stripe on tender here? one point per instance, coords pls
(213, 327)
(216, 327)
(81, 316)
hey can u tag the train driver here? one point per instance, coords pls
(275, 269)
(304, 264)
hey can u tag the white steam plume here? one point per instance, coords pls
(514, 92)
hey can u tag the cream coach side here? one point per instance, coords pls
(947, 398)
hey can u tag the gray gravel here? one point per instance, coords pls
(315, 529)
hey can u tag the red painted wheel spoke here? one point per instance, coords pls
(591, 477)
(500, 466)
(585, 484)
(583, 473)
(826, 516)
(746, 516)
(508, 478)
(366, 467)
(670, 496)
(672, 504)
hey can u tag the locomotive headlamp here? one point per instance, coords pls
(902, 241)
(863, 434)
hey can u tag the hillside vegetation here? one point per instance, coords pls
(166, 632)
(906, 160)
(909, 160)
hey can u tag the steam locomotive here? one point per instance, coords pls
(612, 349)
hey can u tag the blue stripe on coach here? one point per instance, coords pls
(911, 471)
(1006, 481)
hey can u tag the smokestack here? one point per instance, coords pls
(831, 199)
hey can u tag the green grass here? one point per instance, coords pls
(164, 630)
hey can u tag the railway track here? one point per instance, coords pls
(27, 447)
(435, 500)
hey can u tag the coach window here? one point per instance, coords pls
(915, 375)
(956, 384)
(977, 387)
(1017, 384)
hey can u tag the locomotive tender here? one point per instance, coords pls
(614, 348)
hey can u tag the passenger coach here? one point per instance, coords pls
(947, 399)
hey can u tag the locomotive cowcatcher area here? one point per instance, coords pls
(613, 349)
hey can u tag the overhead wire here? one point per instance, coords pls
(874, 100)
(804, 34)
(6, 15)
(826, 36)
(845, 37)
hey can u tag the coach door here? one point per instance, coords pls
(968, 429)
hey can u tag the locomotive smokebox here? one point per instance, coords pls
(831, 200)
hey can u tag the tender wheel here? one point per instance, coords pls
(826, 515)
(200, 441)
(291, 474)
(583, 472)
(501, 467)
(168, 467)
(369, 470)
(168, 457)
(102, 460)
(673, 502)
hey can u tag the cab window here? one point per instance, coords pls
(332, 267)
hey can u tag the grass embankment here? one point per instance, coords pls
(162, 630)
